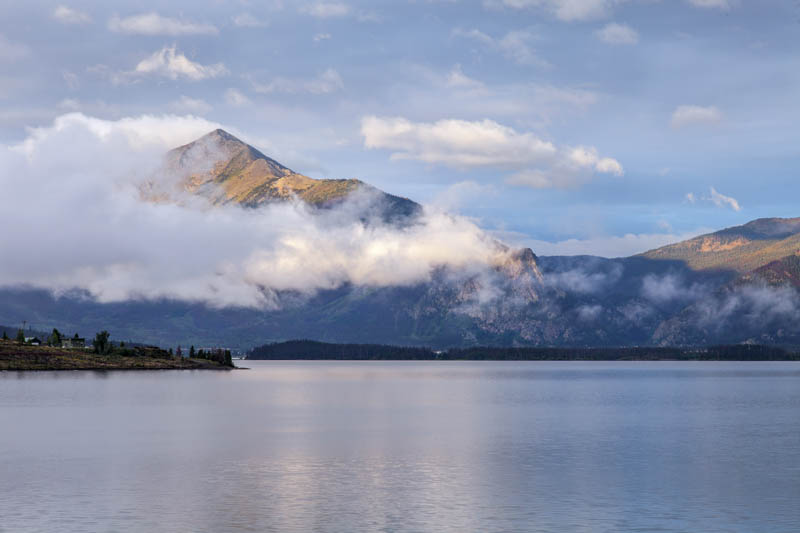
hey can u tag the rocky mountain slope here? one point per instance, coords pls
(741, 248)
(225, 170)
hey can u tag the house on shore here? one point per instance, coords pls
(73, 342)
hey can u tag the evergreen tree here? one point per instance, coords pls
(20, 336)
(55, 338)
(191, 351)
(101, 343)
(5, 335)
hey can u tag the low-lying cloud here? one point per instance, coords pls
(74, 218)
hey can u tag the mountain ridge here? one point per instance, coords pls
(225, 169)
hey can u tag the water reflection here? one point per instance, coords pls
(404, 447)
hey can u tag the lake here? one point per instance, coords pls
(406, 447)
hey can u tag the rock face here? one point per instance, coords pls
(225, 170)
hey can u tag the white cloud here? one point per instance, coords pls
(689, 115)
(185, 104)
(84, 172)
(515, 45)
(321, 37)
(609, 246)
(720, 200)
(172, 64)
(718, 4)
(618, 34)
(457, 79)
(11, 51)
(67, 15)
(326, 9)
(246, 20)
(566, 10)
(714, 197)
(236, 98)
(326, 82)
(154, 24)
(463, 144)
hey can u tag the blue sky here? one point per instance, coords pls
(573, 126)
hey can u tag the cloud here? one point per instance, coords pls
(464, 144)
(584, 280)
(566, 10)
(711, 4)
(170, 63)
(515, 45)
(690, 115)
(326, 9)
(154, 24)
(589, 313)
(720, 200)
(618, 34)
(71, 79)
(326, 82)
(67, 15)
(604, 246)
(714, 197)
(84, 173)
(458, 80)
(11, 51)
(236, 98)
(671, 287)
(246, 20)
(321, 37)
(185, 104)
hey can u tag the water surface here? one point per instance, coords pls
(404, 446)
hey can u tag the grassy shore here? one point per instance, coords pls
(19, 357)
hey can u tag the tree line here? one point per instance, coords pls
(314, 350)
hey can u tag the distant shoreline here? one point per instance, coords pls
(300, 350)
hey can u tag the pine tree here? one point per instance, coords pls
(101, 344)
(55, 338)
(191, 351)
(5, 335)
(20, 336)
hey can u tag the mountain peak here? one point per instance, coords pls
(225, 169)
(222, 135)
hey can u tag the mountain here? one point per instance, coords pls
(783, 272)
(226, 170)
(539, 301)
(741, 248)
(740, 284)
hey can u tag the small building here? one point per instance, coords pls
(33, 341)
(73, 342)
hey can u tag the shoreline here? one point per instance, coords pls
(22, 358)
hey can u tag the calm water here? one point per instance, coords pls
(440, 447)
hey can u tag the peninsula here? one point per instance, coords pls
(18, 357)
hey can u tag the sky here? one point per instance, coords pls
(603, 127)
